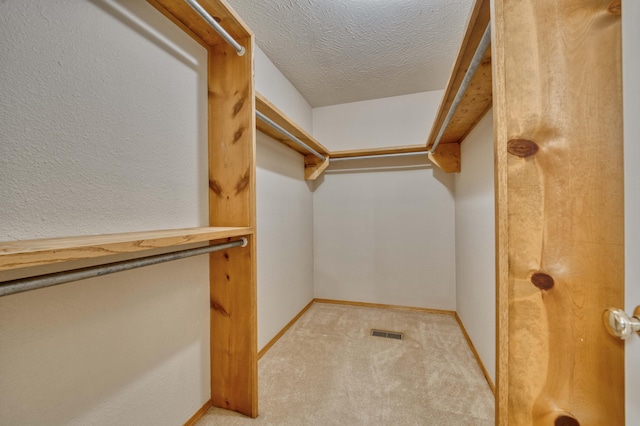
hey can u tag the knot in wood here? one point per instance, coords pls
(522, 147)
(565, 420)
(542, 281)
(615, 7)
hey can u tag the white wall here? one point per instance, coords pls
(383, 229)
(398, 120)
(103, 112)
(285, 212)
(475, 241)
(274, 86)
(631, 84)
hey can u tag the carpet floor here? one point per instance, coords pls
(328, 370)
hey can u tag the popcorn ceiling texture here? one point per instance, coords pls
(352, 50)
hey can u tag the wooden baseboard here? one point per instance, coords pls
(382, 306)
(284, 330)
(476, 355)
(198, 415)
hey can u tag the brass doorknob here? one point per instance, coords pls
(619, 324)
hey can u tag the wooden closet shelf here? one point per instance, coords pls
(271, 111)
(378, 151)
(476, 101)
(191, 23)
(314, 166)
(20, 254)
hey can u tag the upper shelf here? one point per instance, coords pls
(477, 99)
(272, 112)
(313, 166)
(186, 18)
(20, 254)
(474, 104)
(378, 151)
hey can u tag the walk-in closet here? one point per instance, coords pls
(230, 212)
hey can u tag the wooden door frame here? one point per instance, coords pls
(557, 87)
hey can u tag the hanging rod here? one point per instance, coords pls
(217, 27)
(370, 156)
(279, 128)
(48, 280)
(468, 76)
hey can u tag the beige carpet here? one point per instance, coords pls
(328, 370)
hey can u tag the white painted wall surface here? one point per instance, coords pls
(274, 86)
(285, 212)
(383, 229)
(103, 112)
(398, 120)
(475, 241)
(631, 84)
(285, 237)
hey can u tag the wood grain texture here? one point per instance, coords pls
(186, 18)
(560, 233)
(447, 157)
(477, 99)
(232, 193)
(314, 167)
(378, 151)
(475, 103)
(501, 222)
(20, 254)
(271, 111)
(232, 200)
(234, 369)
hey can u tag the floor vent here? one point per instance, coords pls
(387, 334)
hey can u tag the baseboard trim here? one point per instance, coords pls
(198, 415)
(476, 354)
(284, 330)
(277, 337)
(383, 306)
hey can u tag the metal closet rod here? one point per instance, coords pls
(370, 156)
(468, 76)
(48, 280)
(217, 27)
(279, 128)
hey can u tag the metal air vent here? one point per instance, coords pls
(387, 334)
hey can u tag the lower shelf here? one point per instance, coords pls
(20, 254)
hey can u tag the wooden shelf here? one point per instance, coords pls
(191, 23)
(476, 101)
(20, 254)
(378, 151)
(271, 111)
(313, 165)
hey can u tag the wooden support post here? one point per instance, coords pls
(232, 201)
(558, 143)
(232, 183)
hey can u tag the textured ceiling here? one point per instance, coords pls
(338, 51)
